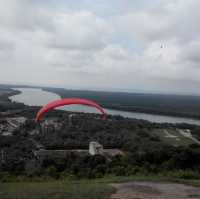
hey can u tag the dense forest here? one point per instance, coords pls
(175, 105)
(145, 153)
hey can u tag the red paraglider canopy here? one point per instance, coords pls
(68, 101)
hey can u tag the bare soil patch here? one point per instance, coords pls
(155, 190)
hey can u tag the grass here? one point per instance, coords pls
(55, 190)
(178, 140)
(149, 178)
(77, 189)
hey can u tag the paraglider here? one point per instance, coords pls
(68, 101)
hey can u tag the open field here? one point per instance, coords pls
(175, 137)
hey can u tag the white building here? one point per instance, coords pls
(95, 148)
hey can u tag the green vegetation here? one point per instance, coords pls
(172, 137)
(144, 151)
(176, 105)
(77, 189)
(196, 132)
(55, 190)
(5, 102)
(149, 154)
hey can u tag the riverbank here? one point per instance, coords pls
(38, 97)
(157, 104)
(184, 106)
(139, 106)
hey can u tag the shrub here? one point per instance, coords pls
(52, 172)
(187, 174)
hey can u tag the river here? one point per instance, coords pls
(38, 97)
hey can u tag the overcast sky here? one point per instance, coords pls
(133, 45)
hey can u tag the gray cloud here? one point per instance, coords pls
(4, 46)
(78, 31)
(191, 53)
(83, 47)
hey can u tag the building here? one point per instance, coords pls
(95, 148)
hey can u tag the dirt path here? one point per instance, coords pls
(153, 190)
